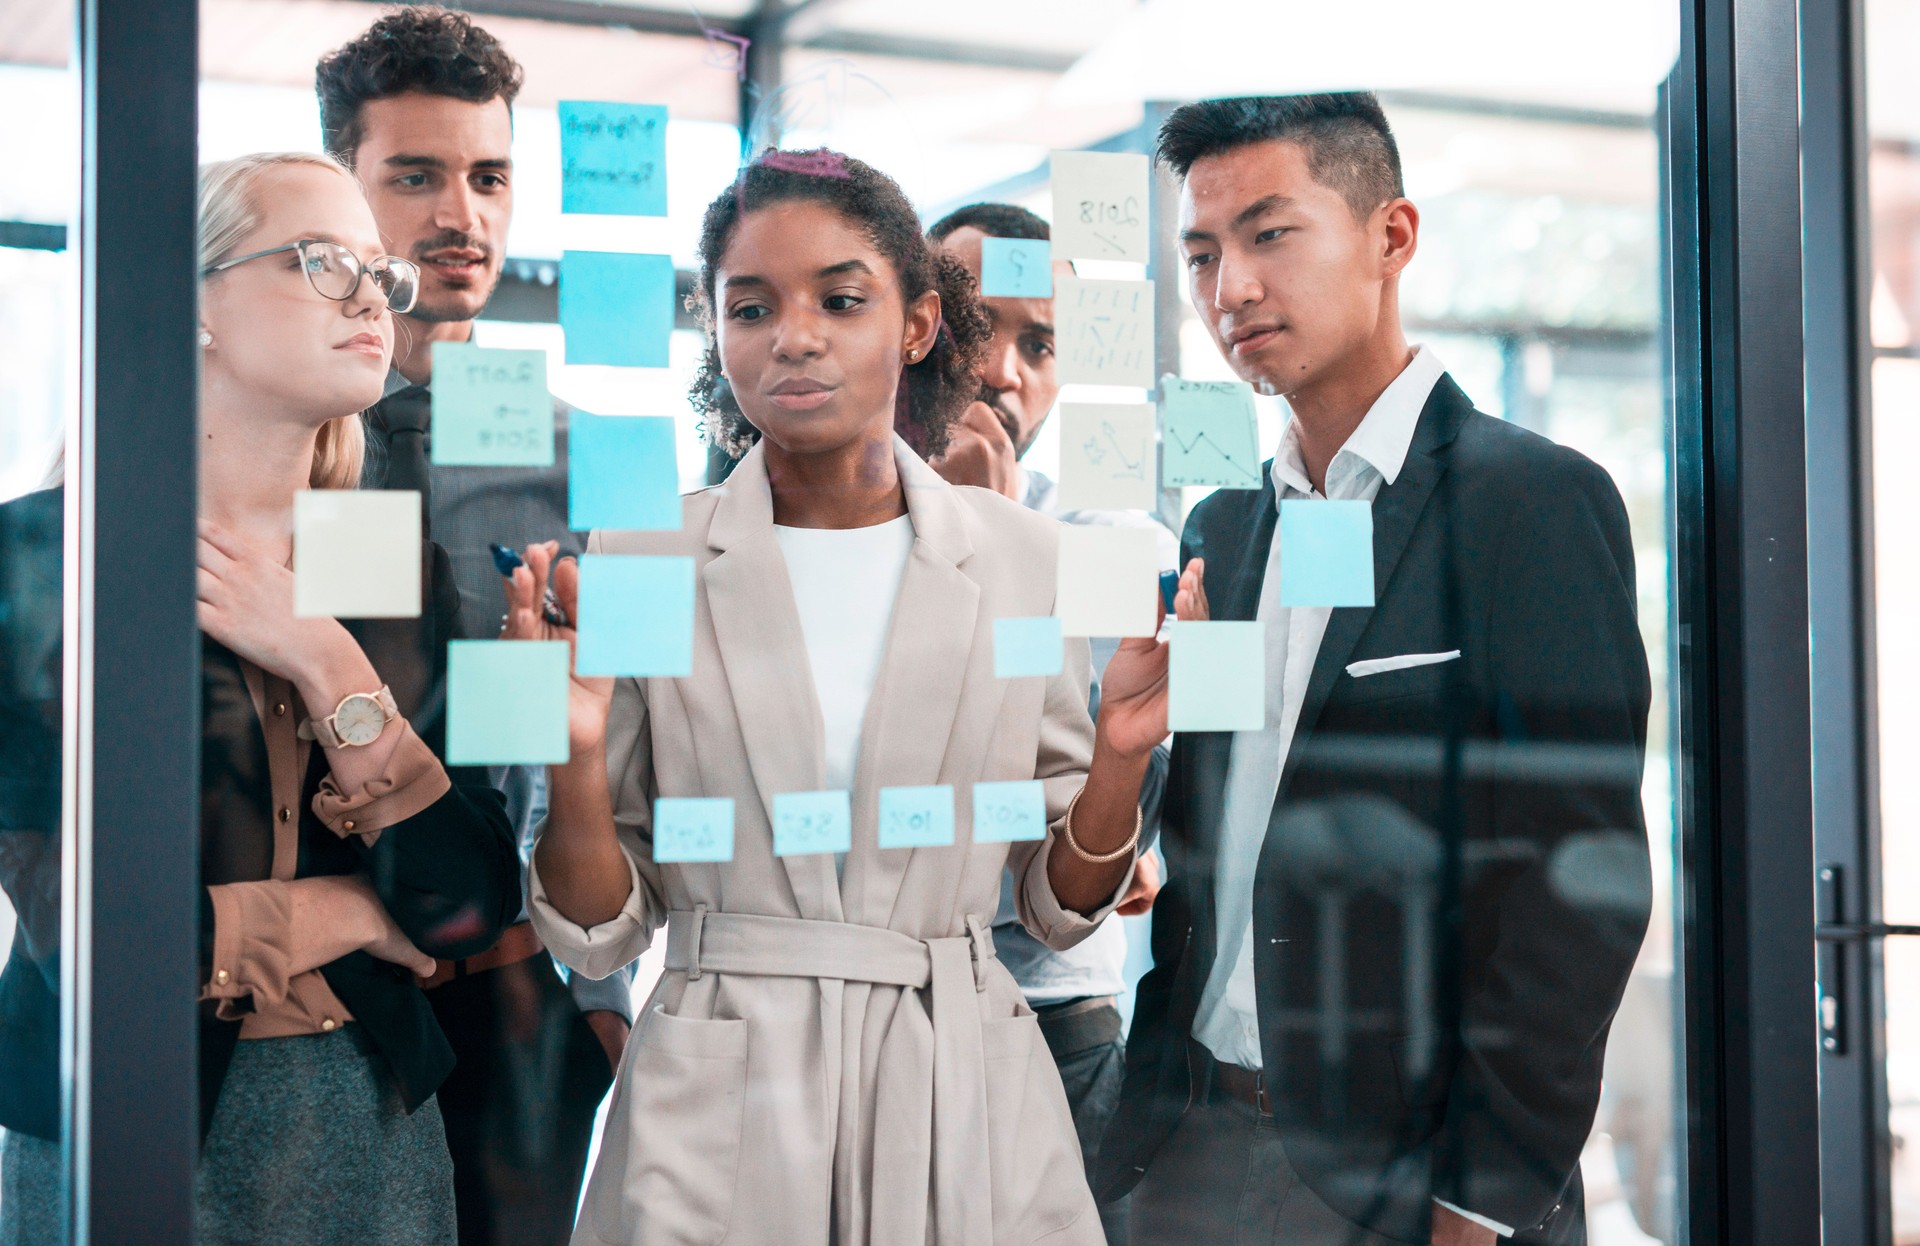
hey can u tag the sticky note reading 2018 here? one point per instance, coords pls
(490, 407)
(613, 158)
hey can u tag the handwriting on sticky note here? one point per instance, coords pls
(616, 307)
(1216, 676)
(693, 828)
(1104, 331)
(613, 158)
(1211, 434)
(1326, 553)
(916, 817)
(1100, 206)
(622, 472)
(490, 407)
(1026, 647)
(1109, 581)
(636, 616)
(1005, 813)
(356, 554)
(1016, 268)
(1106, 457)
(807, 822)
(507, 702)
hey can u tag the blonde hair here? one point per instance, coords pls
(228, 213)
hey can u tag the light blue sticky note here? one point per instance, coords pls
(1005, 813)
(490, 407)
(1024, 647)
(805, 822)
(1209, 434)
(1016, 268)
(613, 158)
(636, 616)
(1216, 676)
(693, 828)
(621, 472)
(1326, 553)
(506, 702)
(616, 307)
(916, 817)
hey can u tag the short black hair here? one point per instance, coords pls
(1348, 142)
(418, 48)
(995, 220)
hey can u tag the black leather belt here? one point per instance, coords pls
(1076, 1025)
(1212, 1076)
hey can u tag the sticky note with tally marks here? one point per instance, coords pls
(636, 616)
(1106, 457)
(1016, 268)
(616, 307)
(1005, 813)
(1109, 581)
(1103, 331)
(1100, 206)
(916, 817)
(807, 822)
(621, 472)
(1025, 647)
(490, 407)
(693, 828)
(507, 702)
(613, 158)
(356, 553)
(1326, 553)
(1216, 676)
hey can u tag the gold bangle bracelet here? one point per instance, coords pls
(1105, 858)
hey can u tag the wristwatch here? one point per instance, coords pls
(358, 719)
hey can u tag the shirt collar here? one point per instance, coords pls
(1385, 434)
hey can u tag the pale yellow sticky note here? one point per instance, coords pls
(1109, 581)
(1100, 206)
(356, 554)
(1104, 331)
(1106, 457)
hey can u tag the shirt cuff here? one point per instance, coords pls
(252, 948)
(599, 951)
(413, 780)
(1041, 912)
(1482, 1221)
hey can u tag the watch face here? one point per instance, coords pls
(359, 720)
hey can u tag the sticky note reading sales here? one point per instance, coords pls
(507, 702)
(1106, 457)
(1100, 205)
(1109, 581)
(1005, 813)
(490, 407)
(613, 158)
(1211, 436)
(693, 828)
(805, 822)
(1016, 268)
(356, 553)
(1326, 553)
(1216, 676)
(916, 817)
(1024, 647)
(1103, 331)
(616, 307)
(636, 616)
(621, 472)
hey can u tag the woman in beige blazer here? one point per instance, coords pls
(833, 1054)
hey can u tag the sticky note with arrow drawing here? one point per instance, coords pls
(1106, 457)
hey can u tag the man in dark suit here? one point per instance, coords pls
(1398, 918)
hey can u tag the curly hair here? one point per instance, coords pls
(419, 48)
(934, 391)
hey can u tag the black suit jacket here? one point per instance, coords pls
(1454, 880)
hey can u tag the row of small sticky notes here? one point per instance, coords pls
(700, 829)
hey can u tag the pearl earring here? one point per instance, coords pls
(206, 338)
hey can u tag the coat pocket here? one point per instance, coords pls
(672, 1181)
(1039, 1182)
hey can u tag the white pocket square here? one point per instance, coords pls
(1379, 666)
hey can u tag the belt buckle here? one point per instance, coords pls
(693, 941)
(1261, 1103)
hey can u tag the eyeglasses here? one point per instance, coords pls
(335, 272)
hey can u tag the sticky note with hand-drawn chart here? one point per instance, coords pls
(916, 817)
(490, 407)
(1006, 813)
(1100, 206)
(616, 307)
(693, 828)
(1106, 457)
(1209, 435)
(1104, 331)
(356, 553)
(613, 158)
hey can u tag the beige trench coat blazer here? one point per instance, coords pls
(868, 1076)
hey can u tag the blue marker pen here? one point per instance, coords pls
(1169, 586)
(508, 562)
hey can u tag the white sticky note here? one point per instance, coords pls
(1109, 581)
(1216, 676)
(1106, 457)
(356, 554)
(1104, 331)
(1100, 206)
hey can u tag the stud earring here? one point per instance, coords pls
(206, 338)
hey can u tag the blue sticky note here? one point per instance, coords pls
(1326, 553)
(1016, 268)
(636, 616)
(693, 828)
(1209, 434)
(916, 817)
(1026, 647)
(1216, 676)
(616, 307)
(613, 158)
(490, 407)
(621, 472)
(805, 822)
(1005, 813)
(507, 702)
